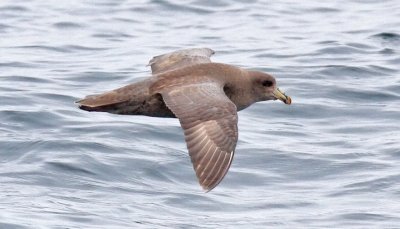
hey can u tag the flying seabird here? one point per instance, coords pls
(203, 95)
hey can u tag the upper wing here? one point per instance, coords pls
(179, 59)
(209, 120)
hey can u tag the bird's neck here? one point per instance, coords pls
(239, 89)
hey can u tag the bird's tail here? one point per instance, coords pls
(123, 100)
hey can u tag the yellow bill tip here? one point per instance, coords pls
(282, 96)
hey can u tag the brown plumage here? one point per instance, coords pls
(204, 96)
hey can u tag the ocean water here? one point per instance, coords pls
(331, 159)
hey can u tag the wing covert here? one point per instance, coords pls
(209, 120)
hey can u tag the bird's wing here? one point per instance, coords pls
(179, 59)
(209, 120)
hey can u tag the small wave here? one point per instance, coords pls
(67, 25)
(387, 39)
(387, 36)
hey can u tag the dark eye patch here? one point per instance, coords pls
(267, 83)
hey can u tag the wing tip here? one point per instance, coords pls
(208, 52)
(207, 188)
(174, 59)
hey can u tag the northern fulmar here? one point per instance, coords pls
(203, 95)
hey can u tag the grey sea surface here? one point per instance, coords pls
(330, 160)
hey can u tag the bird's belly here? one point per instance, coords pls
(154, 106)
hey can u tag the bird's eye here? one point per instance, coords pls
(267, 83)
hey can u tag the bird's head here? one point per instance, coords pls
(265, 88)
